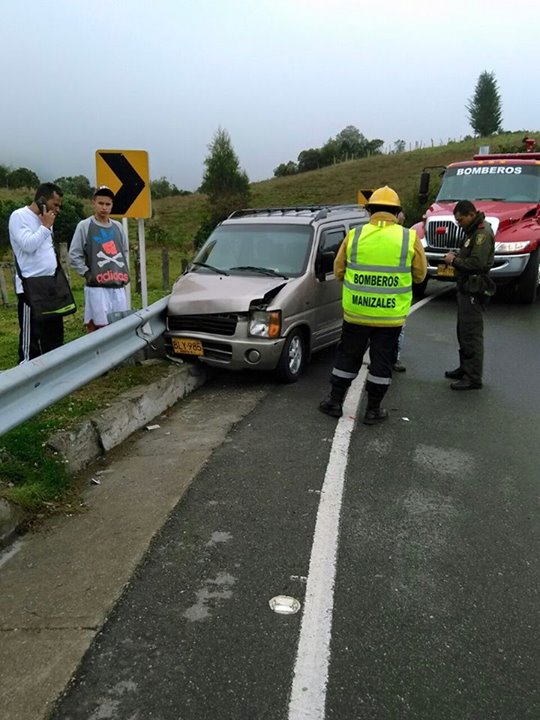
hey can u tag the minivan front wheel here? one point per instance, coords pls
(293, 357)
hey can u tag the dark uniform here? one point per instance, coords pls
(472, 264)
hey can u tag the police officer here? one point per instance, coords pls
(378, 264)
(474, 287)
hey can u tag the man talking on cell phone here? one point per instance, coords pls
(31, 238)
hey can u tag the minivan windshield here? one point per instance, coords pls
(508, 183)
(254, 249)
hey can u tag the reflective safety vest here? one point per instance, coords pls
(377, 286)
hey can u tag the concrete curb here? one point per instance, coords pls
(11, 518)
(101, 432)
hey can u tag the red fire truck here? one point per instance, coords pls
(506, 188)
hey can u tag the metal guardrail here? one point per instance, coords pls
(33, 386)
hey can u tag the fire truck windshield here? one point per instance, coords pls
(507, 183)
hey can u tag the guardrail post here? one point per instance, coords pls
(137, 263)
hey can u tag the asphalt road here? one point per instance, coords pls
(436, 599)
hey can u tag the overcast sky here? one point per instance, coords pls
(280, 75)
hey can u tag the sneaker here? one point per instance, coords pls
(456, 374)
(374, 416)
(466, 384)
(331, 407)
(399, 367)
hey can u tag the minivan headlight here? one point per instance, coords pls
(265, 324)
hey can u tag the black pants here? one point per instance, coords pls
(470, 334)
(354, 341)
(37, 335)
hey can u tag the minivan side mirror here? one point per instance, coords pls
(325, 264)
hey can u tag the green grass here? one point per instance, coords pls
(180, 217)
(30, 474)
(339, 183)
(73, 324)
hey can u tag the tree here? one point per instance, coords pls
(64, 226)
(285, 169)
(223, 175)
(484, 108)
(6, 208)
(399, 146)
(77, 185)
(224, 182)
(348, 144)
(374, 147)
(22, 178)
(163, 188)
(329, 153)
(309, 160)
(4, 174)
(351, 143)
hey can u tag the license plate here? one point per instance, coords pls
(186, 346)
(445, 271)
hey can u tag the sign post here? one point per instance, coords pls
(126, 172)
(142, 262)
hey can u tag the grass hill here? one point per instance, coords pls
(179, 217)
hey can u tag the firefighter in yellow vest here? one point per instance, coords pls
(378, 264)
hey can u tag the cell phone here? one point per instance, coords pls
(42, 205)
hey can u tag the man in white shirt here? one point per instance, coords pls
(31, 237)
(99, 252)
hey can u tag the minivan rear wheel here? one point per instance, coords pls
(293, 357)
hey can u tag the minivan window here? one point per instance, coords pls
(331, 240)
(240, 249)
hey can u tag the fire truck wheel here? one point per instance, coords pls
(527, 285)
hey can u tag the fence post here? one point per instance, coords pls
(3, 285)
(165, 268)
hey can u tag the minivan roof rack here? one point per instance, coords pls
(321, 210)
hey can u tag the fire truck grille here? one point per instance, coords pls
(444, 235)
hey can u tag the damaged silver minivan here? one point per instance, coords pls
(261, 292)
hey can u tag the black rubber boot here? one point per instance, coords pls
(456, 374)
(331, 407)
(375, 415)
(466, 384)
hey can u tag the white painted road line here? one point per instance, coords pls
(10, 552)
(308, 694)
